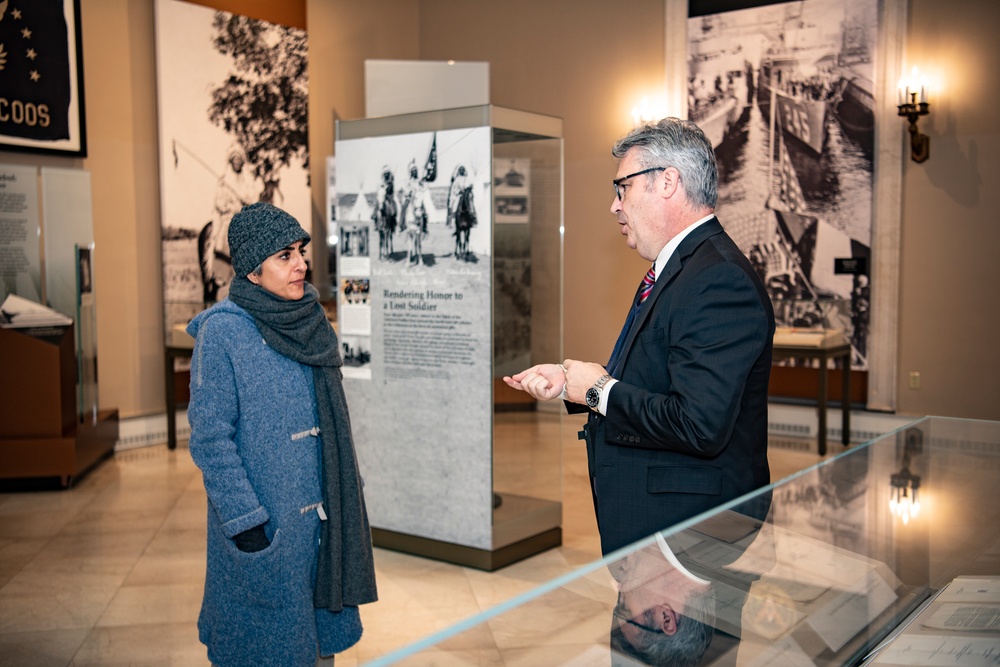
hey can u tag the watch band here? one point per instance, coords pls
(594, 393)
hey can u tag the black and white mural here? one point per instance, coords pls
(233, 110)
(786, 94)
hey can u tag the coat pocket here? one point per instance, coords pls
(699, 479)
(261, 574)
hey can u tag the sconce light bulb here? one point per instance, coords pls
(641, 113)
(647, 112)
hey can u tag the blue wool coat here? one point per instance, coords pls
(254, 434)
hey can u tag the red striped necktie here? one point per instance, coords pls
(647, 286)
(647, 283)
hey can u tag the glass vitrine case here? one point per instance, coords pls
(888, 554)
(449, 276)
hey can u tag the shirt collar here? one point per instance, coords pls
(671, 247)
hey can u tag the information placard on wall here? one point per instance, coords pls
(20, 264)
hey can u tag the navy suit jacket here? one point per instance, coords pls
(686, 425)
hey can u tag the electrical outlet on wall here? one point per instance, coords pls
(914, 379)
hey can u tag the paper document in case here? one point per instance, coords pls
(20, 313)
(808, 337)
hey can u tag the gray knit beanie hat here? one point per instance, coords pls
(257, 232)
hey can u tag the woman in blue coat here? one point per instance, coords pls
(289, 546)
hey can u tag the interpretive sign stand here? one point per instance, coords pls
(449, 276)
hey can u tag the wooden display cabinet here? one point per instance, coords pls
(40, 432)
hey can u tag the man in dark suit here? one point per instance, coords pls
(678, 421)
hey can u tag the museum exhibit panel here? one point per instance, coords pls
(888, 554)
(51, 426)
(449, 277)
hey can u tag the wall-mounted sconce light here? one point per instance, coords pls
(646, 112)
(904, 485)
(912, 105)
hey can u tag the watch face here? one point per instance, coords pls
(593, 398)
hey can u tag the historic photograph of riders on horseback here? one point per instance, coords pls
(424, 197)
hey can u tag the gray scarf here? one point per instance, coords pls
(299, 330)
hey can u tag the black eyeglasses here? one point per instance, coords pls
(619, 182)
(620, 613)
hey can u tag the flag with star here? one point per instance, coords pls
(34, 70)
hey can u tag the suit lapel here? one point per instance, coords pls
(667, 276)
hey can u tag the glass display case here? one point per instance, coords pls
(888, 554)
(53, 426)
(449, 276)
(823, 323)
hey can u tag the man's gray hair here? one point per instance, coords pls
(672, 142)
(686, 647)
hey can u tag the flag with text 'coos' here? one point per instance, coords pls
(34, 70)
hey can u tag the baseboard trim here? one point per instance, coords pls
(149, 430)
(783, 420)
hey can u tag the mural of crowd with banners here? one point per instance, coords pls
(785, 93)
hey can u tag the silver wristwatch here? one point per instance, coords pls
(594, 393)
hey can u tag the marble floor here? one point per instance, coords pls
(110, 572)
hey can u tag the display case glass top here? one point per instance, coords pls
(888, 554)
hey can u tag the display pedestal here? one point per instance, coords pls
(39, 432)
(458, 554)
(449, 277)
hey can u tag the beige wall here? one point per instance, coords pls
(548, 60)
(342, 35)
(588, 66)
(950, 273)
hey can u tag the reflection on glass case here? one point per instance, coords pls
(888, 554)
(86, 331)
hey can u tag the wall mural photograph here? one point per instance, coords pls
(785, 93)
(233, 110)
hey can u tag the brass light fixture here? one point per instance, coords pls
(912, 108)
